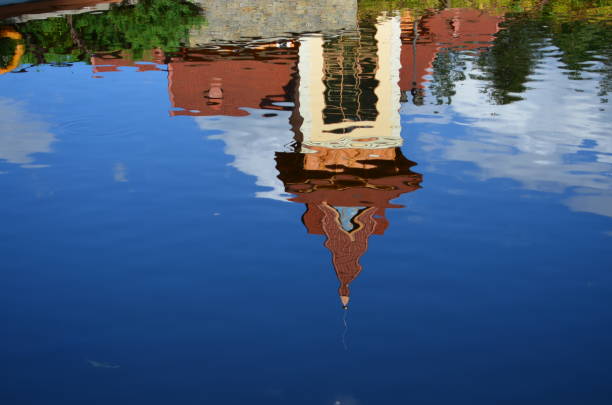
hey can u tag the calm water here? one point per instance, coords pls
(327, 202)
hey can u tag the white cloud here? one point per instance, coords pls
(554, 140)
(22, 135)
(253, 141)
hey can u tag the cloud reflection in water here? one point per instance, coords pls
(22, 135)
(557, 139)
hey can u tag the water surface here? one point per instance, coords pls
(330, 202)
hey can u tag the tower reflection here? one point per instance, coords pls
(347, 164)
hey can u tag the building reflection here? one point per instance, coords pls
(227, 79)
(347, 164)
(220, 80)
(425, 36)
(255, 74)
(335, 99)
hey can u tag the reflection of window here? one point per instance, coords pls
(347, 216)
(349, 67)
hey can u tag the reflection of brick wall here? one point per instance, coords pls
(244, 82)
(111, 62)
(234, 19)
(253, 79)
(456, 28)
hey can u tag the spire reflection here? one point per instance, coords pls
(347, 164)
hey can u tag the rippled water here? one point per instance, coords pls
(326, 202)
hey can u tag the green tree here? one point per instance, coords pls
(448, 68)
(576, 28)
(7, 50)
(136, 27)
(586, 49)
(512, 59)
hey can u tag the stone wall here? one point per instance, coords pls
(234, 20)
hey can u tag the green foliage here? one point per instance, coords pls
(48, 37)
(508, 65)
(581, 40)
(448, 68)
(421, 6)
(146, 25)
(572, 9)
(366, 6)
(586, 48)
(583, 46)
(7, 50)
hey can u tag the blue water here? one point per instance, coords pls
(7, 2)
(140, 264)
